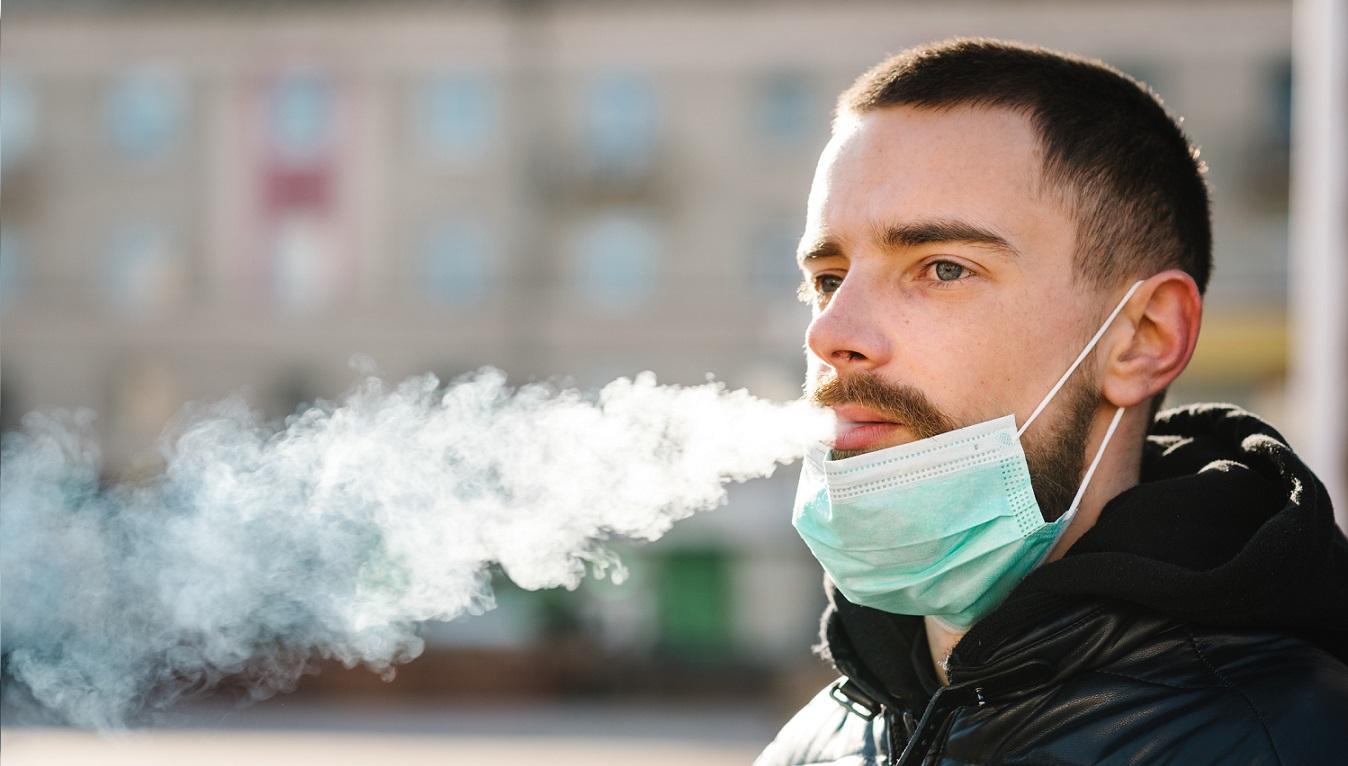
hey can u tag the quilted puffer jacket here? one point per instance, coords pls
(1203, 620)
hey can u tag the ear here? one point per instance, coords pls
(1153, 346)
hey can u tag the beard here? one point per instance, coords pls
(1054, 448)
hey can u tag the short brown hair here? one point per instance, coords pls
(1126, 171)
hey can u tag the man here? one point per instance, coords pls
(1005, 250)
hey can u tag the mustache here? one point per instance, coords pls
(901, 403)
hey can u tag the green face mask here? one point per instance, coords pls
(944, 526)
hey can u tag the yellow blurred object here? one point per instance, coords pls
(1246, 346)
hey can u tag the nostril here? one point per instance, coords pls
(845, 340)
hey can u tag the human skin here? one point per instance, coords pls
(936, 259)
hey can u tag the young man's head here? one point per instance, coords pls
(981, 209)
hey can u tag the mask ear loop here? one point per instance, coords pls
(1065, 520)
(1096, 339)
(1099, 453)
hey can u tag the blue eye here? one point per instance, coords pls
(827, 284)
(947, 271)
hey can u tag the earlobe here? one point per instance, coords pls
(1154, 346)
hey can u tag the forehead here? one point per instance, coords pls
(897, 165)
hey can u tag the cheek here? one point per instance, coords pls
(986, 375)
(976, 371)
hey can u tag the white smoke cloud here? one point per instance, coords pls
(334, 535)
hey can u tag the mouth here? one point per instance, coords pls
(863, 430)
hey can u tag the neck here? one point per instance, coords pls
(940, 642)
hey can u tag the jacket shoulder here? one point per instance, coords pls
(1296, 691)
(1173, 693)
(824, 732)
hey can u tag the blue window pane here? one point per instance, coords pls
(300, 117)
(1280, 104)
(773, 253)
(616, 261)
(12, 264)
(456, 263)
(620, 123)
(139, 269)
(144, 113)
(784, 111)
(18, 120)
(457, 116)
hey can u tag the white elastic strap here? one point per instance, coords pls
(1086, 480)
(1066, 518)
(1098, 334)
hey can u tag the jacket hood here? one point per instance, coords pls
(1227, 528)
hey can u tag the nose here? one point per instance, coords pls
(848, 334)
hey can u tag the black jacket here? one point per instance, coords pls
(1202, 620)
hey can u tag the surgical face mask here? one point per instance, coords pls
(944, 526)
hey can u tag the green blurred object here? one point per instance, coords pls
(693, 589)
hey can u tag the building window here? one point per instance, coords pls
(615, 261)
(302, 276)
(12, 264)
(457, 263)
(457, 117)
(772, 258)
(141, 271)
(1270, 156)
(620, 123)
(18, 120)
(784, 109)
(301, 115)
(144, 112)
(1278, 81)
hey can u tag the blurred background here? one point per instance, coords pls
(205, 198)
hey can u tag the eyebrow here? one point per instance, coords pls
(942, 231)
(825, 247)
(918, 233)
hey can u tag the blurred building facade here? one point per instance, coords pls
(198, 201)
